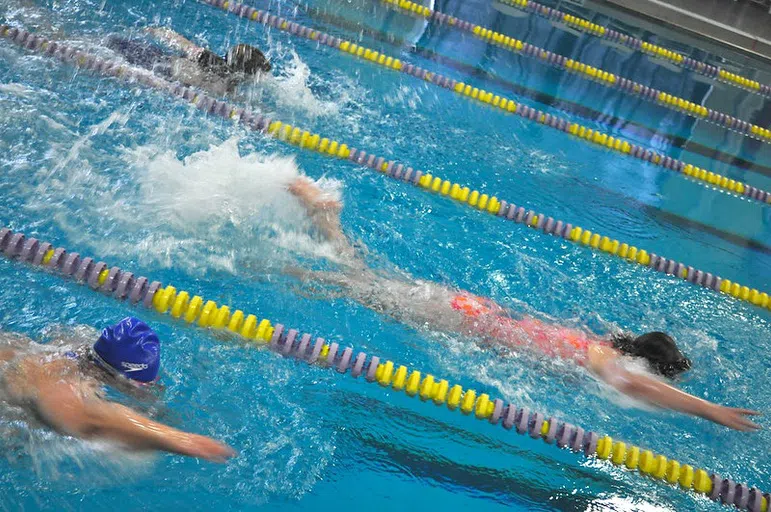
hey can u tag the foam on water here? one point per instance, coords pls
(59, 458)
(213, 209)
(16, 89)
(214, 186)
(291, 88)
(118, 117)
(218, 190)
(296, 93)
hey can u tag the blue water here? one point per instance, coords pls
(154, 186)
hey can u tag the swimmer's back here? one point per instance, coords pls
(26, 366)
(140, 52)
(557, 340)
(495, 324)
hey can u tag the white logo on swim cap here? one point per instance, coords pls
(133, 367)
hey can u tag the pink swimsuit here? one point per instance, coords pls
(486, 318)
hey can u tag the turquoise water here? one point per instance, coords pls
(153, 186)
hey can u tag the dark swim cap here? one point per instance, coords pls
(131, 348)
(213, 63)
(247, 59)
(658, 348)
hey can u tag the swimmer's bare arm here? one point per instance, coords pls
(176, 41)
(603, 361)
(69, 404)
(323, 210)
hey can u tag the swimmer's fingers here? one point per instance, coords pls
(746, 422)
(746, 425)
(735, 418)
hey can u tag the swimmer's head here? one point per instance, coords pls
(658, 348)
(247, 59)
(131, 349)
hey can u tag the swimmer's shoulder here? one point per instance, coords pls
(600, 357)
(32, 371)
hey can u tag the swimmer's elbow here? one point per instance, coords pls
(85, 429)
(621, 380)
(94, 420)
(67, 412)
(627, 387)
(637, 386)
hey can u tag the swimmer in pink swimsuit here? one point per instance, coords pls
(491, 322)
(420, 304)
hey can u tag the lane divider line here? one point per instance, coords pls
(566, 106)
(291, 343)
(314, 142)
(598, 75)
(500, 103)
(623, 85)
(659, 52)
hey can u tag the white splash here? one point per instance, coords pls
(215, 186)
(218, 194)
(117, 117)
(291, 88)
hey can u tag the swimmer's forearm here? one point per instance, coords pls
(70, 409)
(172, 38)
(323, 211)
(604, 362)
(119, 423)
(664, 395)
(668, 397)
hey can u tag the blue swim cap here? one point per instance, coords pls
(131, 348)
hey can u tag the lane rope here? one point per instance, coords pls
(714, 72)
(194, 309)
(314, 142)
(623, 85)
(502, 104)
(669, 140)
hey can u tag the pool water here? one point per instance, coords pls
(152, 185)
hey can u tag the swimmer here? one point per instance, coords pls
(192, 65)
(425, 304)
(64, 389)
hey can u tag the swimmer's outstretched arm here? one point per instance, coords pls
(175, 40)
(69, 405)
(603, 362)
(323, 210)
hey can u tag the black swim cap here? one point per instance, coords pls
(213, 63)
(247, 59)
(658, 348)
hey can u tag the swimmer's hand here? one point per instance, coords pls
(324, 211)
(205, 448)
(312, 197)
(732, 417)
